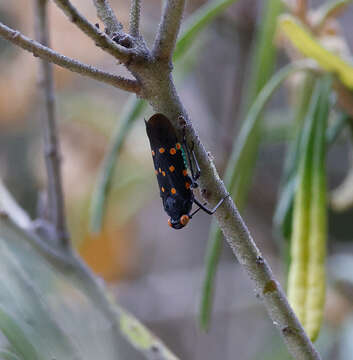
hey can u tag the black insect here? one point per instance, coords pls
(175, 184)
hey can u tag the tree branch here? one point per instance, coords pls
(73, 65)
(134, 24)
(168, 29)
(100, 38)
(55, 198)
(163, 98)
(106, 14)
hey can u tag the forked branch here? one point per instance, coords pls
(103, 41)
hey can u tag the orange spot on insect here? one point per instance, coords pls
(184, 220)
(173, 191)
(162, 188)
(178, 146)
(172, 151)
(170, 223)
(185, 172)
(187, 185)
(171, 168)
(160, 170)
(163, 173)
(161, 150)
(153, 153)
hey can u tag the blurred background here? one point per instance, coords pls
(156, 272)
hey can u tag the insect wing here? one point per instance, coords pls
(160, 132)
(161, 135)
(168, 157)
(177, 173)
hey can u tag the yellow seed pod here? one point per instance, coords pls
(306, 282)
(298, 271)
(309, 46)
(316, 284)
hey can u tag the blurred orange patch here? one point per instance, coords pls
(108, 253)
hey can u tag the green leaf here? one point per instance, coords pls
(283, 214)
(19, 341)
(336, 128)
(25, 318)
(142, 339)
(316, 277)
(263, 62)
(8, 355)
(52, 308)
(264, 50)
(131, 113)
(237, 163)
(197, 22)
(306, 278)
(305, 42)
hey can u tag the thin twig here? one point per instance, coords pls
(55, 198)
(73, 65)
(134, 24)
(168, 29)
(100, 38)
(107, 15)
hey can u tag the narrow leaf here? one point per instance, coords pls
(53, 309)
(197, 22)
(306, 279)
(102, 188)
(16, 337)
(263, 62)
(305, 42)
(315, 300)
(237, 162)
(283, 214)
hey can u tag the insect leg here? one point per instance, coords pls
(190, 152)
(210, 211)
(196, 211)
(196, 163)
